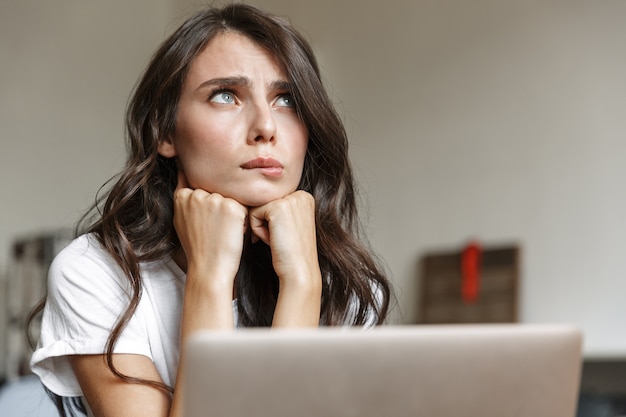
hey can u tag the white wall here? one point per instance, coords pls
(66, 69)
(496, 120)
(491, 119)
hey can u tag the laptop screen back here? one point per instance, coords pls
(441, 371)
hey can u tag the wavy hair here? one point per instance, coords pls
(133, 220)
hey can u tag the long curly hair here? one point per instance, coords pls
(133, 220)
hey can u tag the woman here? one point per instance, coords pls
(236, 208)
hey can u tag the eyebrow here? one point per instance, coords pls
(243, 81)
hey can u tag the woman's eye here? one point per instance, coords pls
(285, 100)
(223, 97)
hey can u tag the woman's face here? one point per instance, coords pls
(237, 131)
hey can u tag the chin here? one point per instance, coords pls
(259, 199)
(257, 202)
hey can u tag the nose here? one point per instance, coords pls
(263, 125)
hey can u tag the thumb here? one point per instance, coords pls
(259, 225)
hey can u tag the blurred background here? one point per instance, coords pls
(492, 121)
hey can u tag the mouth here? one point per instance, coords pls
(266, 166)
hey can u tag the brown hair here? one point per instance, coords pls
(134, 219)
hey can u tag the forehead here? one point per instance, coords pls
(231, 54)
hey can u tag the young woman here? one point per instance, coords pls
(236, 208)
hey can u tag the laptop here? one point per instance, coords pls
(394, 371)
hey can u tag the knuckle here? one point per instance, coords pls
(233, 207)
(197, 196)
(230, 205)
(200, 198)
(306, 199)
(181, 195)
(309, 198)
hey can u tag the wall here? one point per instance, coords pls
(496, 120)
(66, 69)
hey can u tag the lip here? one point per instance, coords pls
(267, 166)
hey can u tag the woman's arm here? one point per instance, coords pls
(107, 395)
(211, 231)
(204, 307)
(288, 227)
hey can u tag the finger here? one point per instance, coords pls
(259, 226)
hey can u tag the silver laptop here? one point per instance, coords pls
(396, 371)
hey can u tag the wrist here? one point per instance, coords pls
(210, 281)
(307, 280)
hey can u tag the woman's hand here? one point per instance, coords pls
(211, 230)
(287, 225)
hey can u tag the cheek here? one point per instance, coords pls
(200, 140)
(300, 134)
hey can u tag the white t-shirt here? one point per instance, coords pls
(87, 293)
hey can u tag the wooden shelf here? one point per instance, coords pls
(441, 299)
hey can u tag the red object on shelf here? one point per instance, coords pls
(470, 272)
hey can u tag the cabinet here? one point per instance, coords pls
(495, 282)
(25, 286)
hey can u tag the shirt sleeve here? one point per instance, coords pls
(87, 293)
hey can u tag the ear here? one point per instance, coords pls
(166, 148)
